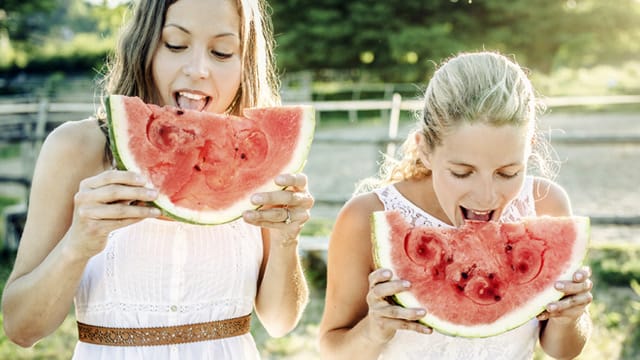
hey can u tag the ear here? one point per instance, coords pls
(423, 149)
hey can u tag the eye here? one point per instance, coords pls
(174, 48)
(221, 55)
(460, 175)
(508, 175)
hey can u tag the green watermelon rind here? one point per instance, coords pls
(381, 257)
(115, 109)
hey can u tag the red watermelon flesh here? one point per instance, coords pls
(206, 166)
(483, 278)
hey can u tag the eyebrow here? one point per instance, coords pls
(457, 163)
(183, 29)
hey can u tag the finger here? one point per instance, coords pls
(575, 301)
(117, 211)
(399, 324)
(399, 312)
(113, 177)
(283, 198)
(389, 288)
(570, 287)
(543, 316)
(115, 192)
(378, 276)
(582, 274)
(297, 180)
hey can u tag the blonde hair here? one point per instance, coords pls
(470, 88)
(129, 69)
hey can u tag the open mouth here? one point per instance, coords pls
(190, 101)
(475, 215)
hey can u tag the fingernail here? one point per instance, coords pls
(421, 312)
(249, 215)
(427, 330)
(552, 307)
(559, 285)
(155, 212)
(281, 178)
(579, 276)
(257, 198)
(152, 193)
(406, 284)
(386, 273)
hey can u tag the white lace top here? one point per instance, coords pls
(163, 273)
(517, 344)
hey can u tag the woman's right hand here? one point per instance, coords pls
(385, 318)
(105, 202)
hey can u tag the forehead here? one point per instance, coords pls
(211, 17)
(483, 144)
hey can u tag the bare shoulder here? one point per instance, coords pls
(73, 135)
(550, 198)
(355, 214)
(351, 233)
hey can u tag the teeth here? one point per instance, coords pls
(192, 96)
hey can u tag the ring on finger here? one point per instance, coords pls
(287, 220)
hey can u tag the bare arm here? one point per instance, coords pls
(59, 235)
(357, 320)
(282, 290)
(566, 324)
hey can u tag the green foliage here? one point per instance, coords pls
(631, 349)
(615, 264)
(402, 39)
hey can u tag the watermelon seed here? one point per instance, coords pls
(243, 156)
(497, 298)
(197, 168)
(180, 112)
(508, 247)
(491, 275)
(464, 275)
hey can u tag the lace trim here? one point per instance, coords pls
(158, 308)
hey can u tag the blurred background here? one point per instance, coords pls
(363, 64)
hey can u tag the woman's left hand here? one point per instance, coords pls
(284, 211)
(576, 300)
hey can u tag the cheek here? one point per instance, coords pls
(511, 189)
(448, 188)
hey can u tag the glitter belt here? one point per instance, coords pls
(164, 335)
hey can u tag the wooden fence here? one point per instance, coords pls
(28, 124)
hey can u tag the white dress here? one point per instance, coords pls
(165, 273)
(517, 344)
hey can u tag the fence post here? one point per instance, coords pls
(394, 121)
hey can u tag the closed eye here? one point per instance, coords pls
(174, 47)
(460, 175)
(508, 175)
(221, 55)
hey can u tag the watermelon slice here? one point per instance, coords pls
(483, 278)
(206, 166)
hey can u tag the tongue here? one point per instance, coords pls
(190, 104)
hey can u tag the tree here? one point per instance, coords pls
(400, 41)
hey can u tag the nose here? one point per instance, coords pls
(197, 65)
(485, 194)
